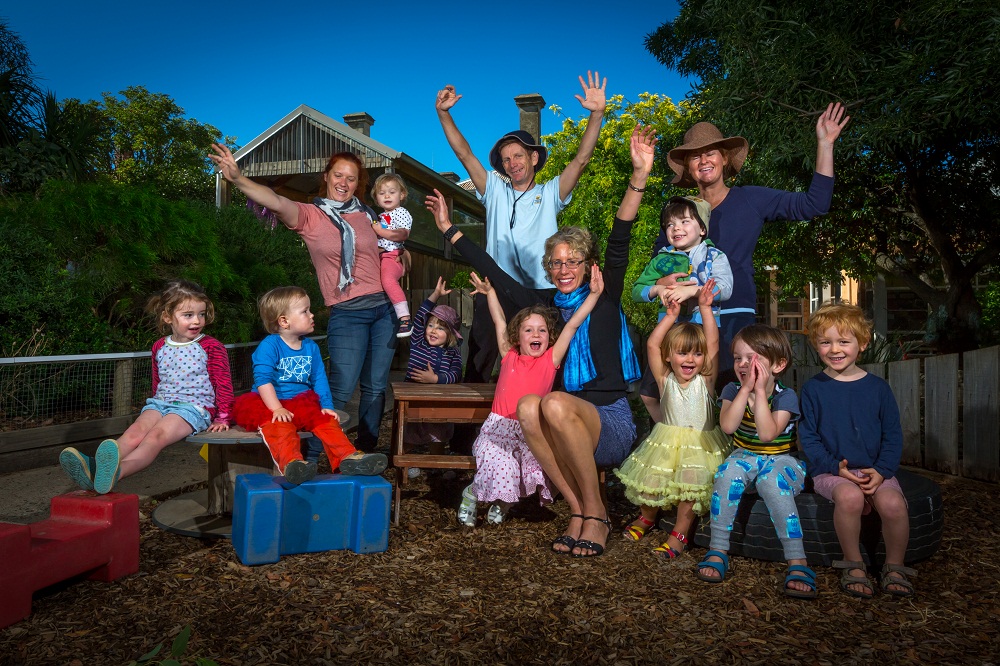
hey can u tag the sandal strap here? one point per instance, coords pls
(607, 523)
(645, 521)
(898, 568)
(680, 537)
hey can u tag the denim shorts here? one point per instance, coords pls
(196, 417)
(617, 433)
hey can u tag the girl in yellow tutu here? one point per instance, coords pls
(676, 464)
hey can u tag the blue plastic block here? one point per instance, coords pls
(332, 512)
(257, 519)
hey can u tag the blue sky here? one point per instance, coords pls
(243, 66)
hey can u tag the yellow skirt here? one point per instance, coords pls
(675, 464)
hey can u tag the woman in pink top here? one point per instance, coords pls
(337, 230)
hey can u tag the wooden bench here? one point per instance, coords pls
(433, 403)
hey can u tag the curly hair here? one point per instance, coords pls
(685, 337)
(846, 318)
(163, 305)
(550, 315)
(277, 302)
(767, 341)
(579, 242)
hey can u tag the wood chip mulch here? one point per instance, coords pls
(496, 594)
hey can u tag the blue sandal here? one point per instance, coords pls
(801, 574)
(722, 567)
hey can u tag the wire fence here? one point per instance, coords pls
(45, 390)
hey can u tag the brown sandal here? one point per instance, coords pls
(847, 578)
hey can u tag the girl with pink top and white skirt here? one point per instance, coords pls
(531, 350)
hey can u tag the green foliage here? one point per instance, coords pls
(148, 141)
(78, 263)
(602, 185)
(917, 165)
(177, 650)
(989, 300)
(460, 280)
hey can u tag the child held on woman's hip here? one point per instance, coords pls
(291, 393)
(192, 391)
(675, 464)
(760, 413)
(852, 436)
(531, 350)
(392, 228)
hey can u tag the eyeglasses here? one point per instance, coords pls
(572, 264)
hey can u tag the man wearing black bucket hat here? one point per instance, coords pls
(520, 214)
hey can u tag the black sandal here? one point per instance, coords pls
(590, 545)
(566, 540)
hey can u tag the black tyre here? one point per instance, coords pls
(754, 536)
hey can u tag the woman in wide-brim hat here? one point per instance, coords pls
(706, 160)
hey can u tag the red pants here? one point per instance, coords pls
(282, 438)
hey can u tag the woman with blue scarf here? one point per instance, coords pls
(589, 424)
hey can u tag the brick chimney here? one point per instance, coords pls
(531, 106)
(360, 122)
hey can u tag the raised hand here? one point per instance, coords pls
(480, 286)
(441, 289)
(446, 98)
(831, 122)
(438, 207)
(594, 98)
(707, 293)
(225, 162)
(642, 146)
(596, 280)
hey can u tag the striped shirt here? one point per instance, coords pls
(783, 399)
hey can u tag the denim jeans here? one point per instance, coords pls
(731, 325)
(362, 344)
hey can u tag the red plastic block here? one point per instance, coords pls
(97, 535)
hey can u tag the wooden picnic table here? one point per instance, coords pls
(433, 403)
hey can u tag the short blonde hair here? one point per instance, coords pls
(277, 302)
(685, 337)
(579, 241)
(842, 316)
(389, 178)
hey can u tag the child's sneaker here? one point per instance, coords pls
(498, 511)
(467, 509)
(106, 462)
(299, 471)
(405, 328)
(78, 467)
(364, 464)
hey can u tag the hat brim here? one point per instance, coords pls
(736, 147)
(497, 163)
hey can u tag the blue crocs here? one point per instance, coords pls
(78, 467)
(107, 458)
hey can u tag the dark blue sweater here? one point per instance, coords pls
(857, 421)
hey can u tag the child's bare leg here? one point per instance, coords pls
(135, 433)
(848, 503)
(682, 526)
(891, 507)
(168, 430)
(646, 520)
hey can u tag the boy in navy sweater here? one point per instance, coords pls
(851, 434)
